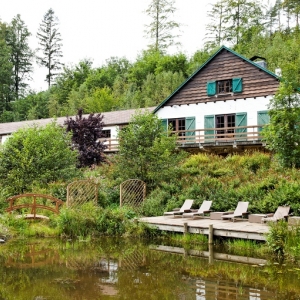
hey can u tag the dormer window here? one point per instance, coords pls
(222, 87)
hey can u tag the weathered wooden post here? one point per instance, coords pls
(185, 228)
(210, 234)
(211, 254)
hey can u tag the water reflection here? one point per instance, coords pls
(123, 269)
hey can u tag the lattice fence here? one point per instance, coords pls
(82, 191)
(132, 193)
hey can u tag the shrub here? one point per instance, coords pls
(36, 156)
(277, 237)
(255, 161)
(91, 220)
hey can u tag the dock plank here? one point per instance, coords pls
(224, 228)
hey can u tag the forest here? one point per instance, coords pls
(250, 27)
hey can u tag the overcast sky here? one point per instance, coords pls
(100, 29)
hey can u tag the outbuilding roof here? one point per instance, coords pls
(111, 118)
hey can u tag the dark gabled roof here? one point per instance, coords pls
(209, 60)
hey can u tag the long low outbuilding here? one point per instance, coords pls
(113, 121)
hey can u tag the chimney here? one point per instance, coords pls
(262, 62)
(278, 72)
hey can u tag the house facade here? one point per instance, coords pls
(224, 103)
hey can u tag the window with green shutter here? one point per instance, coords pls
(165, 124)
(237, 85)
(190, 124)
(234, 85)
(209, 122)
(263, 118)
(211, 88)
(241, 120)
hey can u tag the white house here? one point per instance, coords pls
(223, 103)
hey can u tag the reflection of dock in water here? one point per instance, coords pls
(223, 290)
(209, 289)
(211, 255)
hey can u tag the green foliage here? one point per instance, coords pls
(293, 242)
(91, 220)
(21, 55)
(283, 132)
(70, 79)
(36, 156)
(231, 20)
(255, 162)
(146, 152)
(246, 248)
(285, 193)
(155, 203)
(252, 177)
(100, 100)
(6, 71)
(159, 86)
(277, 237)
(33, 107)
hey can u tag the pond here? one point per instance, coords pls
(132, 269)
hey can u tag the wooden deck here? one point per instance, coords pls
(239, 139)
(238, 229)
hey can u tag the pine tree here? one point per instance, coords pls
(6, 70)
(292, 8)
(50, 45)
(215, 29)
(21, 55)
(161, 26)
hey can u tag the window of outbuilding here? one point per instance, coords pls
(106, 133)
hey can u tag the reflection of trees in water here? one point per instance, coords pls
(129, 269)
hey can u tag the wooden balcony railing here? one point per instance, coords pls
(220, 135)
(207, 136)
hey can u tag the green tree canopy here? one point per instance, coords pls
(36, 156)
(6, 70)
(146, 151)
(21, 55)
(283, 132)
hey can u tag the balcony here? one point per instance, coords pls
(218, 140)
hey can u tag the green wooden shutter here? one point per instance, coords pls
(241, 120)
(263, 118)
(190, 123)
(237, 85)
(209, 122)
(211, 88)
(165, 124)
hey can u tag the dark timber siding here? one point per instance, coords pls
(225, 65)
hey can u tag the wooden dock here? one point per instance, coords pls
(238, 229)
